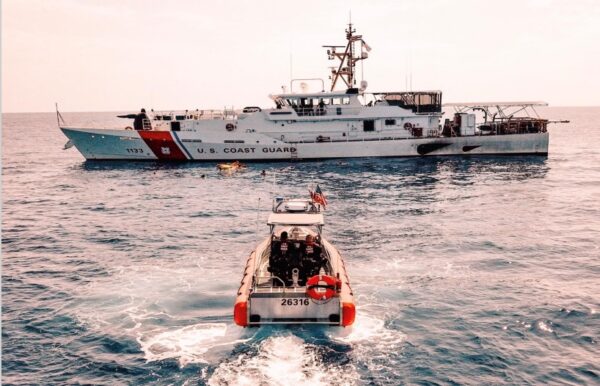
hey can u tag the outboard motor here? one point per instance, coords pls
(295, 276)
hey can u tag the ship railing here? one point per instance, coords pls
(310, 111)
(318, 111)
(225, 114)
(514, 125)
(410, 134)
(266, 284)
(146, 124)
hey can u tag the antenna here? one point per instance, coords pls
(257, 215)
(291, 66)
(347, 59)
(410, 67)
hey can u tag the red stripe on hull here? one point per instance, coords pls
(163, 145)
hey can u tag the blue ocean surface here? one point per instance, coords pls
(466, 270)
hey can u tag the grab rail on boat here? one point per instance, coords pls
(257, 278)
(197, 115)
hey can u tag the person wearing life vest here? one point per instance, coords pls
(279, 259)
(312, 258)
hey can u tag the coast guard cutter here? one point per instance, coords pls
(334, 123)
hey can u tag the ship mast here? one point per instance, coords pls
(348, 59)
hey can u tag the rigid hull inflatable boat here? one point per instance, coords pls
(295, 276)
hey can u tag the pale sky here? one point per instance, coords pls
(105, 55)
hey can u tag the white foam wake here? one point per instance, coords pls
(367, 329)
(283, 360)
(189, 344)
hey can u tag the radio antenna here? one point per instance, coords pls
(257, 215)
(348, 59)
(291, 66)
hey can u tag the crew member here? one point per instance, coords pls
(279, 258)
(312, 260)
(321, 109)
(138, 121)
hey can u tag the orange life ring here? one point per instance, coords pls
(129, 128)
(321, 287)
(408, 126)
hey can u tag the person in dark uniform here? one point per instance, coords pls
(138, 121)
(278, 260)
(312, 257)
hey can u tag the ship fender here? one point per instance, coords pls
(321, 287)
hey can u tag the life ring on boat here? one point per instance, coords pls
(230, 127)
(408, 126)
(321, 287)
(129, 128)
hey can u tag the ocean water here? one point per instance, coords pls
(465, 270)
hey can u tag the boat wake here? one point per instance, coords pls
(283, 360)
(368, 329)
(308, 355)
(198, 343)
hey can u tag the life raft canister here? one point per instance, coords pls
(230, 127)
(408, 126)
(321, 287)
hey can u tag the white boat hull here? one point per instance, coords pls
(259, 302)
(102, 144)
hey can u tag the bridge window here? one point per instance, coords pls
(390, 122)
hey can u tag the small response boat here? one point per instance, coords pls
(295, 276)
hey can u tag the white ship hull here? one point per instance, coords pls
(102, 144)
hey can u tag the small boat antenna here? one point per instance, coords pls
(348, 59)
(257, 215)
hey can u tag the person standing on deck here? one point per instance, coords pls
(138, 121)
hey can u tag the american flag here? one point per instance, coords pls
(318, 196)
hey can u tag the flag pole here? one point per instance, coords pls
(59, 117)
